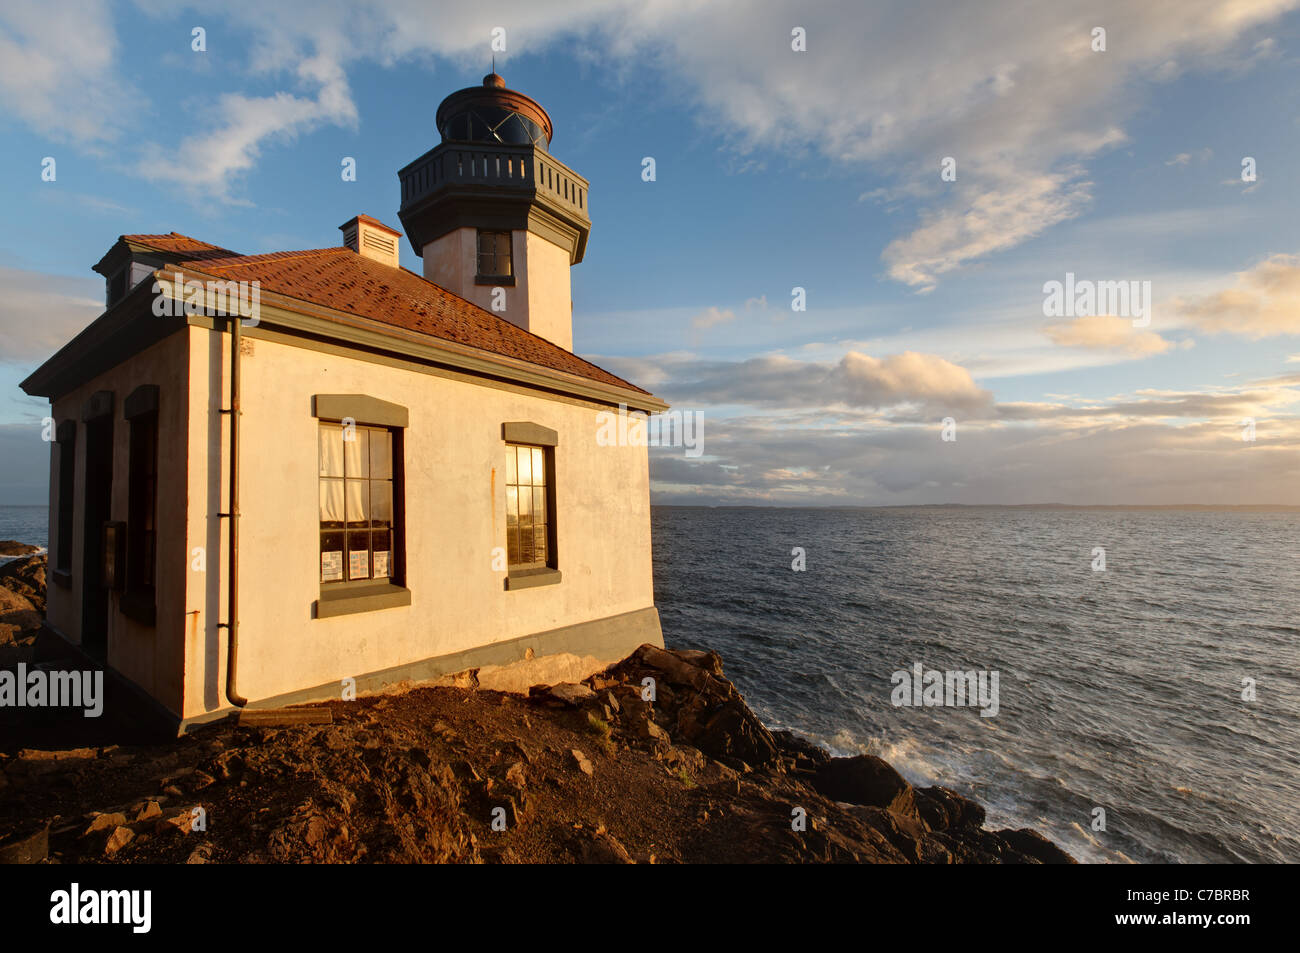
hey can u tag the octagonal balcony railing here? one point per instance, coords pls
(525, 168)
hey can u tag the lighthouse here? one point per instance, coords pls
(496, 219)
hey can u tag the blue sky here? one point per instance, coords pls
(774, 169)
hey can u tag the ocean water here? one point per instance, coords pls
(1118, 689)
(25, 524)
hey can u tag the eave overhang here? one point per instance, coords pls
(132, 325)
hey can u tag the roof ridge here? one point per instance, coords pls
(233, 261)
(426, 308)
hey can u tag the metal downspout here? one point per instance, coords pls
(232, 627)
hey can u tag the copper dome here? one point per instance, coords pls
(493, 114)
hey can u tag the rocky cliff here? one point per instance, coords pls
(656, 760)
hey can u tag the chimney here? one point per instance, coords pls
(371, 239)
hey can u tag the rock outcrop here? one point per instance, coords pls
(22, 604)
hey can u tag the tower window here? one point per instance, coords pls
(494, 255)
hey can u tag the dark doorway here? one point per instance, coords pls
(99, 497)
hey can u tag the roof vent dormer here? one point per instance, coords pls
(372, 239)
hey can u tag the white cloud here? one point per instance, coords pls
(1012, 91)
(1107, 332)
(1265, 302)
(60, 74)
(1152, 446)
(750, 460)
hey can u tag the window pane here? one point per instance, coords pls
(539, 504)
(539, 470)
(539, 541)
(358, 506)
(331, 450)
(512, 475)
(525, 467)
(525, 525)
(381, 455)
(356, 453)
(512, 523)
(331, 503)
(359, 555)
(331, 557)
(525, 543)
(525, 508)
(381, 562)
(381, 503)
(503, 254)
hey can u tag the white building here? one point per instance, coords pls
(418, 488)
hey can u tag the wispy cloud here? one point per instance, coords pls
(712, 316)
(855, 381)
(1107, 332)
(40, 312)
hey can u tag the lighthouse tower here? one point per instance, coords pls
(496, 219)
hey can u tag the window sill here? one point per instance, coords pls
(349, 599)
(505, 281)
(139, 608)
(529, 578)
(62, 577)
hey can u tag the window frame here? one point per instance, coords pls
(496, 277)
(397, 542)
(347, 596)
(535, 436)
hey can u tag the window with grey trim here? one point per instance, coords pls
(494, 255)
(359, 538)
(530, 538)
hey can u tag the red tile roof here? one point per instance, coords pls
(341, 279)
(176, 243)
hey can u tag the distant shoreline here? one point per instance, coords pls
(1184, 507)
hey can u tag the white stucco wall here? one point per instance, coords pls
(548, 289)
(455, 516)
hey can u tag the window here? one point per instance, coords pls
(67, 442)
(530, 505)
(494, 255)
(527, 542)
(141, 410)
(357, 525)
(359, 449)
